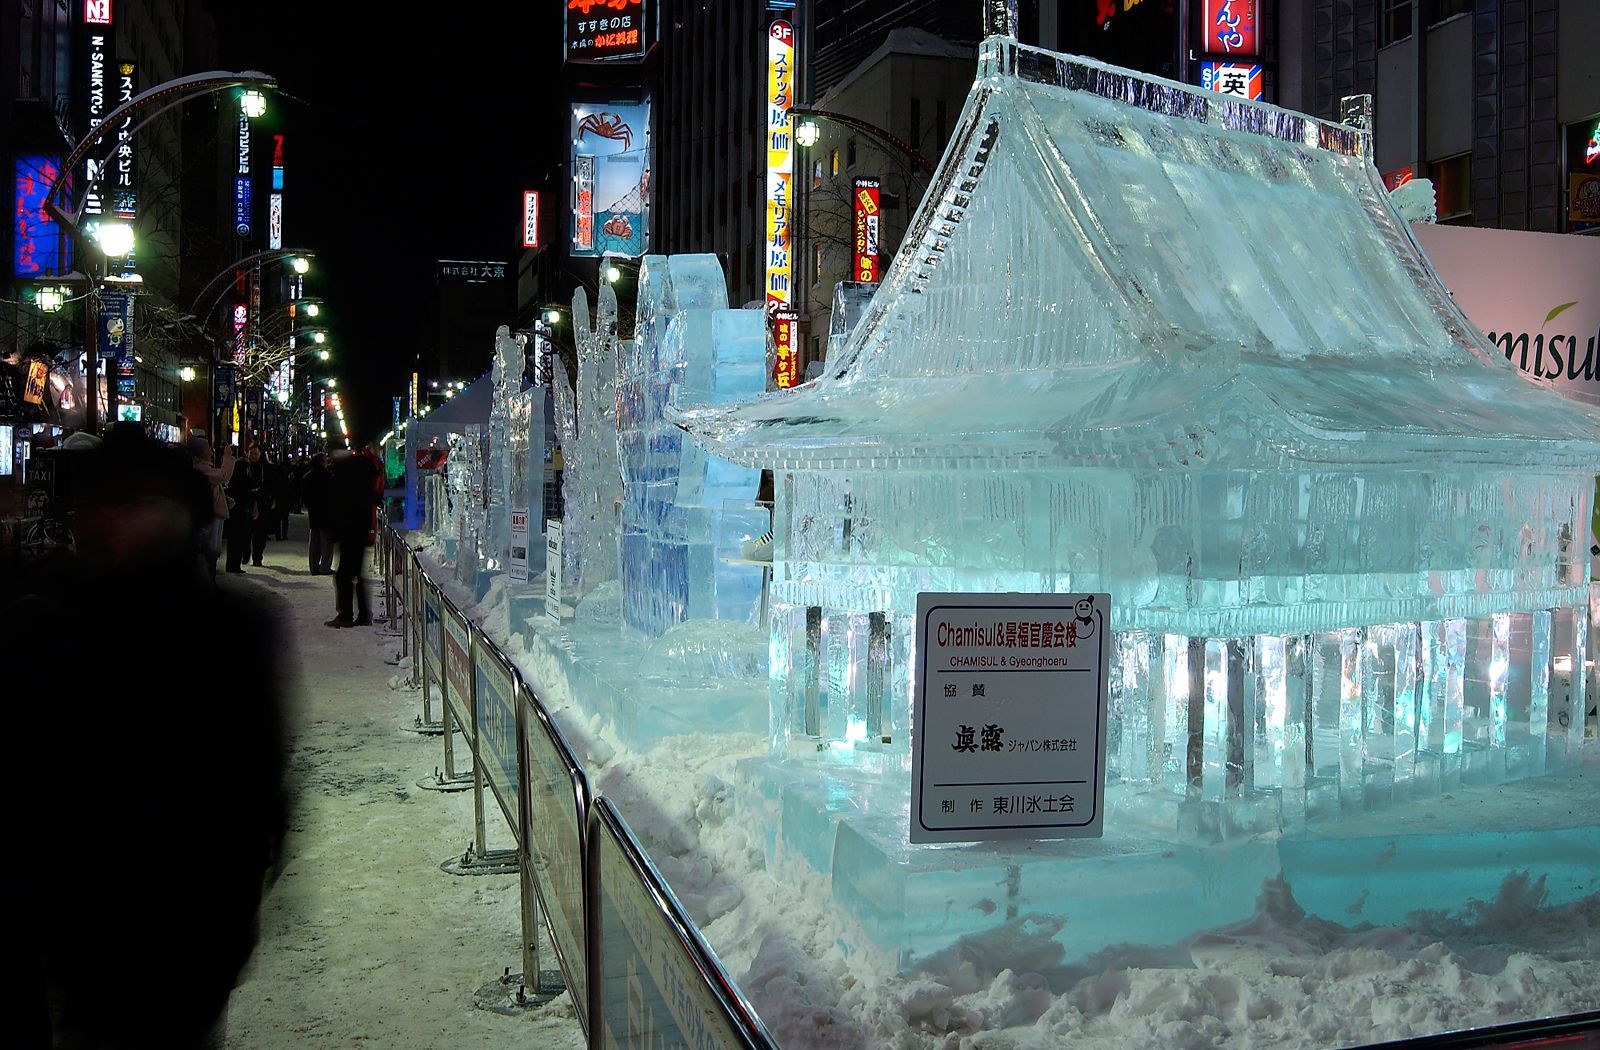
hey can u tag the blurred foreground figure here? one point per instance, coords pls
(159, 805)
(352, 502)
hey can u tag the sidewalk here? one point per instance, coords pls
(363, 938)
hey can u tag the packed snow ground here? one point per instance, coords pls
(364, 940)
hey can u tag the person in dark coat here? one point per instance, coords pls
(316, 490)
(247, 490)
(350, 514)
(132, 611)
(283, 485)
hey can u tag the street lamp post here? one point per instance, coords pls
(117, 238)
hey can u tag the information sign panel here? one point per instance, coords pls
(558, 799)
(1009, 737)
(458, 669)
(496, 719)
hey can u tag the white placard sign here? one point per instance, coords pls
(519, 546)
(1009, 737)
(552, 570)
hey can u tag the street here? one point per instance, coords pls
(363, 938)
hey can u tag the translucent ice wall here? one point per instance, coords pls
(673, 496)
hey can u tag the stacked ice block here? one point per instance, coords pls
(678, 502)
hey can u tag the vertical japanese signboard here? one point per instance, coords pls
(1010, 716)
(1230, 27)
(865, 200)
(275, 202)
(100, 99)
(609, 30)
(611, 178)
(37, 246)
(786, 363)
(124, 163)
(496, 720)
(780, 167)
(241, 182)
(530, 218)
(583, 204)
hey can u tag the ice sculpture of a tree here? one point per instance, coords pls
(507, 379)
(591, 482)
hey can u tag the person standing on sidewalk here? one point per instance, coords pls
(316, 490)
(217, 479)
(353, 498)
(247, 490)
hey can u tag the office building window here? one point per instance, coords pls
(816, 263)
(850, 153)
(1452, 186)
(1394, 21)
(833, 162)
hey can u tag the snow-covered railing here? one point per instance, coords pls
(613, 921)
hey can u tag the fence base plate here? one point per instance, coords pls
(425, 728)
(440, 782)
(494, 862)
(511, 996)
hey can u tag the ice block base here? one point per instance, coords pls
(1138, 885)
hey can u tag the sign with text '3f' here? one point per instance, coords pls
(1010, 721)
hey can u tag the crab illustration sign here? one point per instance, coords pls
(611, 178)
(609, 30)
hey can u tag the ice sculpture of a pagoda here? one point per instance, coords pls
(1175, 346)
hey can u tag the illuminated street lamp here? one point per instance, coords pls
(253, 103)
(324, 355)
(613, 275)
(333, 384)
(319, 337)
(312, 309)
(186, 374)
(807, 133)
(50, 300)
(552, 316)
(300, 264)
(115, 239)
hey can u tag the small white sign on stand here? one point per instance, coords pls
(519, 546)
(1009, 737)
(552, 570)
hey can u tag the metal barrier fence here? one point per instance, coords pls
(639, 972)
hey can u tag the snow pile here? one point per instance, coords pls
(1282, 978)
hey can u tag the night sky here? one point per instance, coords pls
(409, 137)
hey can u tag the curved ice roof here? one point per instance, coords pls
(1112, 268)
